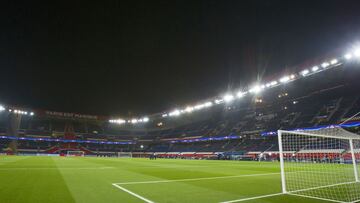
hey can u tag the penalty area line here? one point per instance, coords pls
(132, 193)
(196, 179)
(252, 198)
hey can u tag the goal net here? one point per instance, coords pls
(321, 164)
(124, 154)
(75, 153)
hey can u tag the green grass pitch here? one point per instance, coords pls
(91, 180)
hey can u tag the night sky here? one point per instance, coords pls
(141, 57)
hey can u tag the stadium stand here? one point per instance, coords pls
(236, 128)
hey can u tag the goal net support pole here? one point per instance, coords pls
(281, 154)
(354, 160)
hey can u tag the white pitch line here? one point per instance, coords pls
(133, 194)
(321, 187)
(196, 179)
(318, 198)
(43, 168)
(252, 198)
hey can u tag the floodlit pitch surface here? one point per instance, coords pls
(63, 179)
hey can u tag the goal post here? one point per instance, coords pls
(125, 154)
(320, 164)
(75, 153)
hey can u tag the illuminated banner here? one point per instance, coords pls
(65, 140)
(70, 115)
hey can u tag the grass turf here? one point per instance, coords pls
(89, 180)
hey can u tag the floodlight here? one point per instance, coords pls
(240, 94)
(199, 106)
(2, 108)
(334, 61)
(208, 104)
(348, 56)
(255, 89)
(189, 109)
(357, 52)
(228, 98)
(325, 64)
(134, 121)
(284, 79)
(273, 83)
(119, 121)
(31, 113)
(218, 101)
(165, 115)
(174, 113)
(305, 72)
(315, 68)
(145, 119)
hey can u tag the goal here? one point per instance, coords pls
(320, 164)
(75, 153)
(124, 154)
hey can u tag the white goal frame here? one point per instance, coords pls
(75, 153)
(298, 159)
(124, 155)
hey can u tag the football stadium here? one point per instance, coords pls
(290, 136)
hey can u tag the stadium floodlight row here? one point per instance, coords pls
(132, 121)
(229, 97)
(16, 111)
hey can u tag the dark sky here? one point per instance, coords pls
(141, 57)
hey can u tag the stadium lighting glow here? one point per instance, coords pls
(228, 98)
(357, 52)
(348, 56)
(255, 89)
(315, 68)
(284, 79)
(260, 87)
(208, 104)
(145, 119)
(174, 113)
(240, 94)
(199, 106)
(273, 83)
(325, 64)
(305, 72)
(2, 108)
(334, 61)
(31, 113)
(218, 101)
(189, 109)
(117, 121)
(134, 121)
